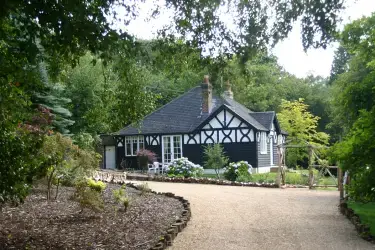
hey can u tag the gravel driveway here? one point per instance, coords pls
(225, 217)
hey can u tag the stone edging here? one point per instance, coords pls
(208, 181)
(166, 239)
(362, 229)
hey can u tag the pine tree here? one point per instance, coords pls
(49, 97)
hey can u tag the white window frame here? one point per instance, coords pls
(171, 142)
(263, 143)
(129, 142)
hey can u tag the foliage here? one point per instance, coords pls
(215, 158)
(49, 96)
(184, 168)
(151, 156)
(354, 108)
(144, 188)
(121, 197)
(65, 161)
(236, 169)
(88, 197)
(301, 126)
(86, 141)
(20, 142)
(97, 186)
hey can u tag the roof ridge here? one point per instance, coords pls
(156, 110)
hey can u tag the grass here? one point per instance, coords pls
(294, 178)
(213, 176)
(366, 213)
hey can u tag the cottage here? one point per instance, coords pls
(192, 120)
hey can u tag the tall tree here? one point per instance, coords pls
(354, 108)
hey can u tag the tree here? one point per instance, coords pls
(301, 126)
(50, 97)
(66, 162)
(215, 158)
(354, 109)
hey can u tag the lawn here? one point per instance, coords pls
(366, 213)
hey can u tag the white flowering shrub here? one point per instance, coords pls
(235, 170)
(184, 168)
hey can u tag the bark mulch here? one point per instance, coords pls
(38, 224)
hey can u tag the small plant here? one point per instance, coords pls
(97, 186)
(121, 197)
(144, 188)
(235, 169)
(88, 197)
(184, 168)
(215, 158)
(244, 178)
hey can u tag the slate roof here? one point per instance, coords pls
(264, 118)
(184, 114)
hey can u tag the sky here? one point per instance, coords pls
(289, 52)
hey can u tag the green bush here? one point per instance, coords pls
(88, 197)
(236, 169)
(296, 179)
(215, 158)
(121, 197)
(97, 186)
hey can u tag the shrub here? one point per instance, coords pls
(184, 168)
(88, 197)
(121, 197)
(235, 169)
(144, 157)
(144, 188)
(215, 158)
(97, 186)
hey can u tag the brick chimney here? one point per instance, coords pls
(206, 95)
(228, 92)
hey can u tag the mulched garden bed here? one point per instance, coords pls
(38, 224)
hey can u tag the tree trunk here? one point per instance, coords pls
(57, 188)
(49, 184)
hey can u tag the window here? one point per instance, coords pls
(172, 148)
(263, 143)
(133, 144)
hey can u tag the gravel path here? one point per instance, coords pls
(225, 217)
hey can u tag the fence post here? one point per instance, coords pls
(340, 181)
(311, 161)
(279, 169)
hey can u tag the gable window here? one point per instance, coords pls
(172, 148)
(133, 144)
(263, 143)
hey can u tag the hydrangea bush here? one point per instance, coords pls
(184, 168)
(241, 169)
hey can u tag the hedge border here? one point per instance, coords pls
(362, 229)
(208, 181)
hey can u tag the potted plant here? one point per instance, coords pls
(144, 157)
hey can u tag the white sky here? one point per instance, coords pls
(290, 52)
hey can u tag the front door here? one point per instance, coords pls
(110, 157)
(171, 147)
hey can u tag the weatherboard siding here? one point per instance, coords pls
(264, 160)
